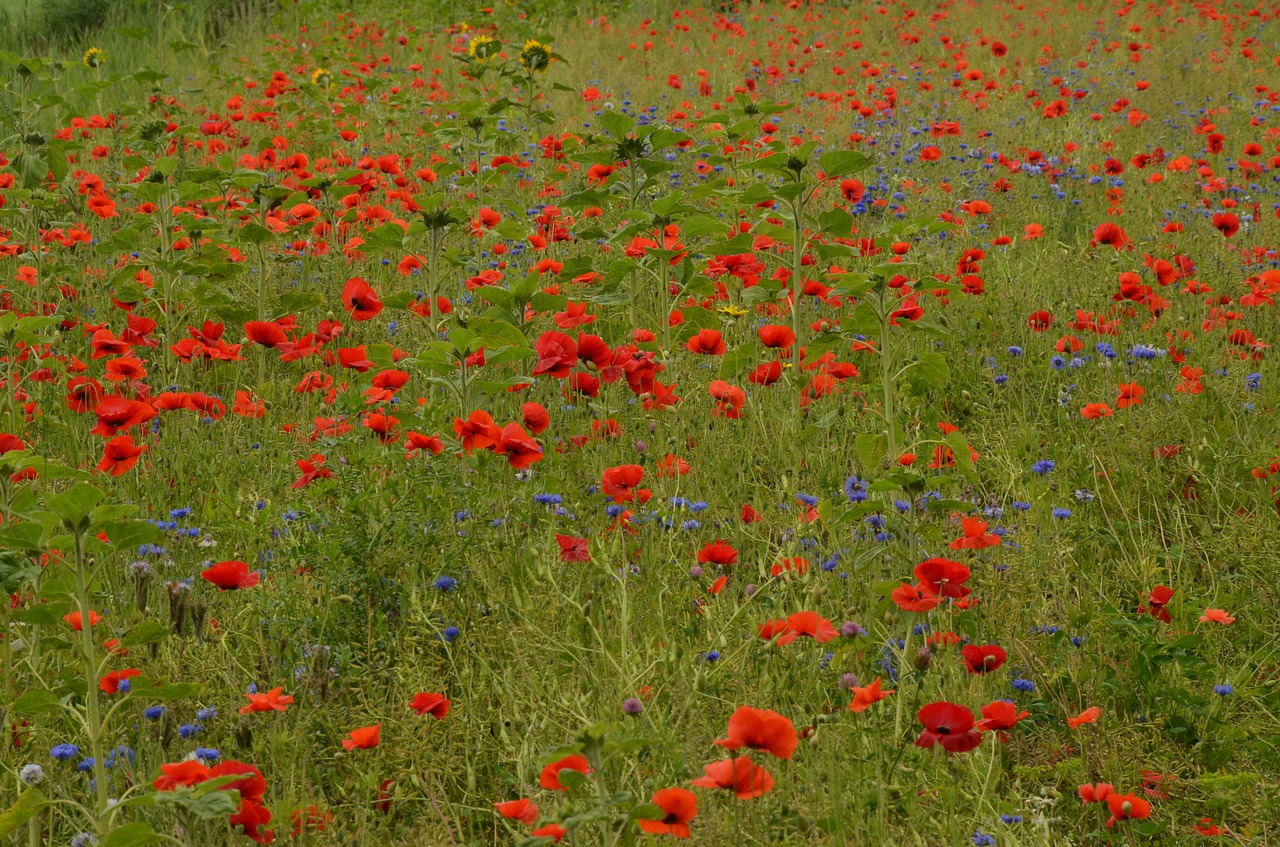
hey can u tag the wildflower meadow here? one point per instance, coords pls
(635, 423)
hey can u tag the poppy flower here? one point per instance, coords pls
(1000, 716)
(865, 696)
(573, 549)
(478, 431)
(415, 442)
(975, 536)
(535, 417)
(310, 819)
(809, 624)
(1093, 411)
(983, 658)
(120, 454)
(363, 738)
(111, 682)
(273, 701)
(914, 598)
(1096, 793)
(1089, 715)
(620, 482)
(744, 777)
(1130, 395)
(550, 776)
(1217, 616)
(1158, 598)
(718, 553)
(950, 725)
(776, 336)
(707, 342)
(311, 470)
(186, 774)
(231, 575)
(426, 703)
(522, 810)
(679, 806)
(75, 622)
(792, 565)
(943, 577)
(554, 831)
(267, 333)
(1127, 807)
(520, 449)
(760, 729)
(557, 354)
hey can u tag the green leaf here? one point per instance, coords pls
(839, 163)
(386, 236)
(147, 632)
(960, 449)
(929, 372)
(646, 812)
(36, 701)
(26, 807)
(871, 447)
(74, 505)
(135, 834)
(130, 533)
(41, 614)
(617, 124)
(497, 333)
(209, 805)
(23, 536)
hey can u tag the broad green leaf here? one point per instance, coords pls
(26, 807)
(150, 689)
(147, 632)
(838, 163)
(960, 449)
(135, 834)
(36, 701)
(74, 505)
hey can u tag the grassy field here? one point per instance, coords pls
(772, 424)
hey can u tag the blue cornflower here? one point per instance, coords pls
(1057, 363)
(1223, 690)
(206, 714)
(1043, 467)
(1061, 512)
(808, 499)
(855, 489)
(981, 839)
(548, 499)
(445, 583)
(1011, 818)
(63, 752)
(1023, 685)
(712, 656)
(153, 713)
(1014, 351)
(450, 633)
(1021, 505)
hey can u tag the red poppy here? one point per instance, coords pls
(112, 681)
(312, 470)
(975, 536)
(550, 776)
(950, 725)
(414, 442)
(1096, 793)
(809, 624)
(1000, 716)
(535, 417)
(1127, 807)
(744, 777)
(983, 658)
(679, 806)
(1130, 395)
(554, 831)
(266, 333)
(760, 729)
(573, 549)
(942, 578)
(522, 810)
(718, 553)
(75, 622)
(478, 432)
(865, 696)
(620, 482)
(426, 703)
(274, 700)
(520, 449)
(914, 598)
(1089, 715)
(557, 354)
(776, 336)
(231, 575)
(708, 342)
(363, 738)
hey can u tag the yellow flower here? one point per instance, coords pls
(482, 48)
(94, 58)
(734, 311)
(536, 56)
(321, 78)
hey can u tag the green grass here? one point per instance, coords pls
(401, 574)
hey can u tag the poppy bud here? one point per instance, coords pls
(816, 594)
(923, 659)
(199, 613)
(890, 618)
(244, 735)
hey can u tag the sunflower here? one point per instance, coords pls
(94, 58)
(482, 48)
(535, 56)
(321, 78)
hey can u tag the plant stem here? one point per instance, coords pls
(93, 718)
